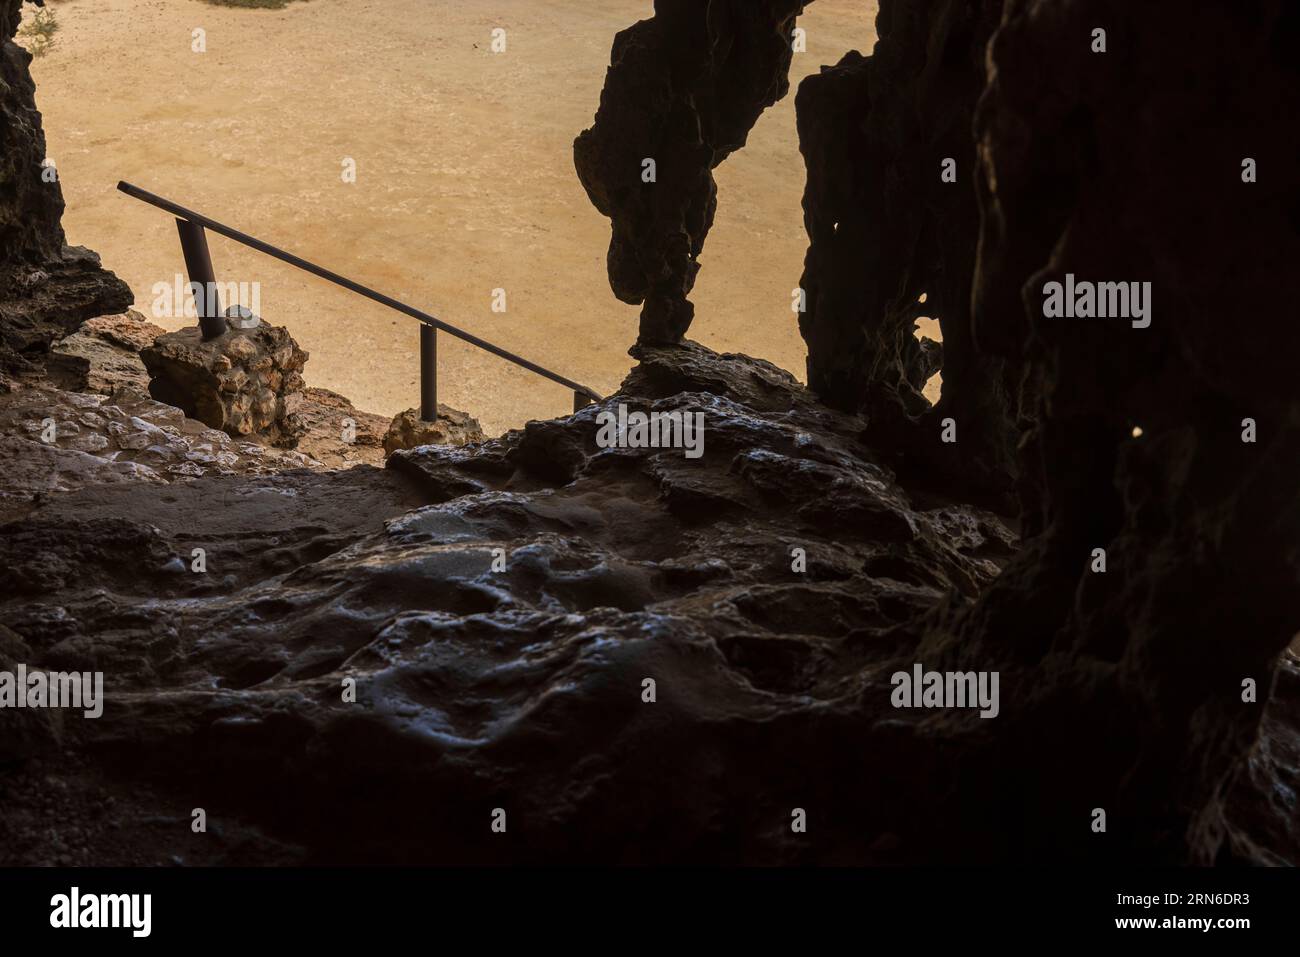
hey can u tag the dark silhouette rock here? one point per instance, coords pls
(684, 89)
(1062, 166)
(889, 222)
(648, 656)
(1117, 166)
(47, 288)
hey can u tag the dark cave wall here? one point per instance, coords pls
(47, 288)
(684, 88)
(29, 208)
(1126, 165)
(885, 227)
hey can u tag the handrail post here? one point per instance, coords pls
(203, 280)
(428, 373)
(198, 262)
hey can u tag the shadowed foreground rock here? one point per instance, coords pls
(519, 688)
(55, 441)
(522, 688)
(684, 89)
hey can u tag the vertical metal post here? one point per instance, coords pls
(198, 263)
(428, 373)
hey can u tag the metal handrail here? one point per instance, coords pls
(198, 263)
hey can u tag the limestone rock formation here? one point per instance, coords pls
(1116, 166)
(525, 683)
(648, 657)
(337, 433)
(246, 382)
(684, 89)
(56, 437)
(55, 441)
(47, 288)
(103, 355)
(891, 212)
(453, 427)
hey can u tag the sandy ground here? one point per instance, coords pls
(464, 183)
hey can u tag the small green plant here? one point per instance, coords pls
(40, 32)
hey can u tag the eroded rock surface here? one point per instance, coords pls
(452, 427)
(246, 382)
(47, 288)
(520, 687)
(684, 89)
(54, 440)
(503, 607)
(1121, 167)
(103, 355)
(337, 433)
(893, 223)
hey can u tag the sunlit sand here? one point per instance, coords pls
(465, 181)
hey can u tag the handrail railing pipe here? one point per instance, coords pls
(192, 227)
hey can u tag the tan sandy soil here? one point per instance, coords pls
(465, 180)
